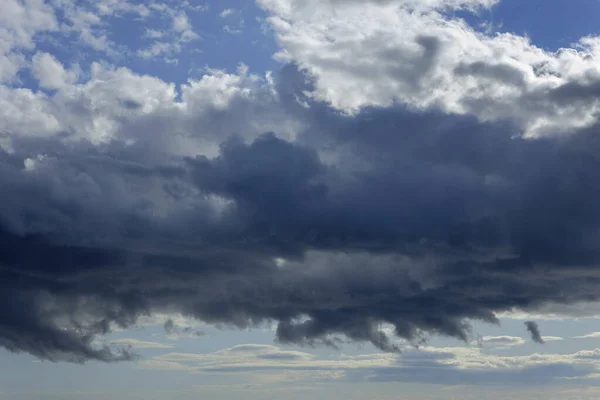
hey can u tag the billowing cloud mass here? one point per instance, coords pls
(400, 168)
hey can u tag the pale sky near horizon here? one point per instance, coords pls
(299, 199)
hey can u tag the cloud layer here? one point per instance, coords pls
(401, 169)
(441, 366)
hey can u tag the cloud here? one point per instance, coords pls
(381, 53)
(50, 72)
(174, 331)
(501, 341)
(352, 258)
(384, 201)
(226, 12)
(509, 341)
(169, 43)
(444, 366)
(138, 344)
(533, 328)
(551, 338)
(154, 33)
(21, 22)
(588, 336)
(86, 26)
(280, 199)
(553, 311)
(234, 30)
(588, 354)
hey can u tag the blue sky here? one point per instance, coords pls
(299, 199)
(549, 24)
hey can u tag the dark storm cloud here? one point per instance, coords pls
(534, 329)
(422, 220)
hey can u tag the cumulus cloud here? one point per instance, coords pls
(360, 205)
(380, 53)
(50, 72)
(21, 22)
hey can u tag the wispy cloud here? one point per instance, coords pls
(138, 344)
(428, 365)
(592, 335)
(227, 12)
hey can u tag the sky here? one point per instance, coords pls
(292, 199)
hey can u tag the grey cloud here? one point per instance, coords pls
(189, 331)
(571, 92)
(499, 72)
(534, 329)
(421, 220)
(169, 326)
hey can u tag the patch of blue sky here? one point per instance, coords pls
(550, 24)
(225, 34)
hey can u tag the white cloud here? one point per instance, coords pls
(592, 335)
(234, 30)
(229, 28)
(251, 357)
(85, 21)
(50, 72)
(160, 49)
(117, 103)
(418, 365)
(172, 41)
(552, 338)
(197, 7)
(110, 7)
(20, 22)
(181, 22)
(23, 112)
(378, 53)
(226, 12)
(553, 311)
(289, 7)
(153, 33)
(501, 341)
